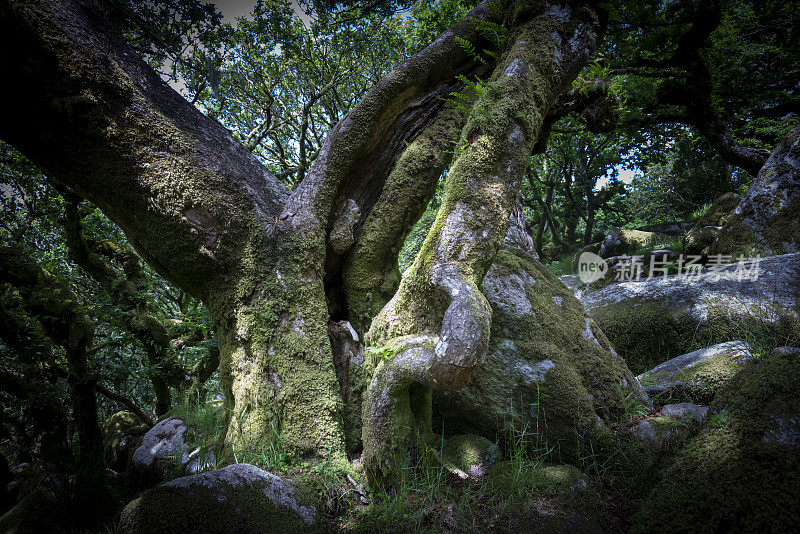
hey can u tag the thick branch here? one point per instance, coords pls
(187, 195)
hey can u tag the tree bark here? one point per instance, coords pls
(275, 267)
(434, 331)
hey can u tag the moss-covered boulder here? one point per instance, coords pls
(549, 371)
(164, 451)
(741, 473)
(767, 219)
(701, 237)
(651, 321)
(624, 241)
(122, 434)
(674, 228)
(698, 375)
(662, 434)
(474, 455)
(238, 498)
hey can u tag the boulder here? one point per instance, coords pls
(237, 498)
(574, 283)
(623, 241)
(742, 471)
(662, 433)
(474, 455)
(767, 219)
(549, 370)
(653, 320)
(163, 449)
(700, 239)
(122, 435)
(684, 410)
(697, 375)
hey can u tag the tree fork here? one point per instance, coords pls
(436, 328)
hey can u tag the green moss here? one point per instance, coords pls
(510, 476)
(782, 234)
(645, 334)
(276, 365)
(741, 472)
(119, 428)
(468, 450)
(244, 509)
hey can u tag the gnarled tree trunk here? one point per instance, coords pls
(275, 267)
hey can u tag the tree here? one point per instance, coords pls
(274, 266)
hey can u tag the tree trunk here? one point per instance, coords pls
(434, 331)
(276, 267)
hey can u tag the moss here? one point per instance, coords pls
(705, 379)
(645, 334)
(782, 233)
(578, 377)
(120, 434)
(741, 472)
(468, 450)
(276, 365)
(701, 238)
(372, 276)
(511, 474)
(243, 509)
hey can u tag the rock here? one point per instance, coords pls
(661, 433)
(163, 447)
(767, 219)
(548, 369)
(701, 238)
(698, 375)
(742, 471)
(684, 410)
(475, 455)
(653, 320)
(668, 228)
(122, 435)
(237, 498)
(573, 282)
(623, 241)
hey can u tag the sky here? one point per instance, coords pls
(625, 176)
(233, 9)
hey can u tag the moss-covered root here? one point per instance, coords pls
(397, 408)
(440, 294)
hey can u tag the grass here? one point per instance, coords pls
(561, 267)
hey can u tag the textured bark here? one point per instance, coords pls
(274, 267)
(436, 328)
